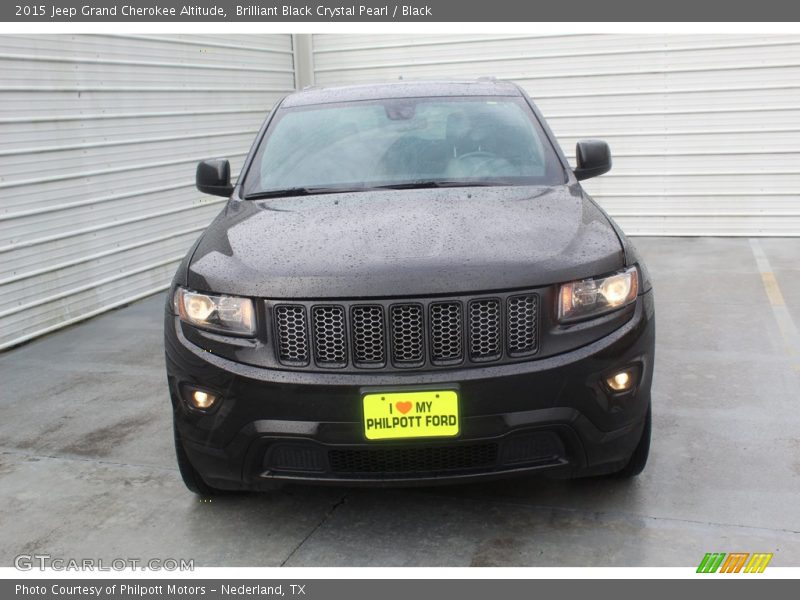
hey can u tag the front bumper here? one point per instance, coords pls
(552, 415)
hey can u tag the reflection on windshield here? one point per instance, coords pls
(403, 142)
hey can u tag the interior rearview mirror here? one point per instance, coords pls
(214, 177)
(593, 158)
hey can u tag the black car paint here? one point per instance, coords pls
(405, 243)
(562, 393)
(420, 242)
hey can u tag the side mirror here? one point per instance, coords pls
(593, 158)
(214, 177)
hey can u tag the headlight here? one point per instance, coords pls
(227, 314)
(594, 297)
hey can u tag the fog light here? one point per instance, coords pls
(621, 381)
(202, 400)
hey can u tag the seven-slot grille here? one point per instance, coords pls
(447, 332)
(407, 334)
(368, 336)
(330, 337)
(484, 329)
(292, 334)
(521, 324)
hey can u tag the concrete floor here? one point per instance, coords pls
(87, 466)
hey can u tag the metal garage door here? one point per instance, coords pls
(99, 136)
(704, 129)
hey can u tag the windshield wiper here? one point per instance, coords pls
(298, 191)
(439, 183)
(410, 185)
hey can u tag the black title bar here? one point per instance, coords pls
(322, 11)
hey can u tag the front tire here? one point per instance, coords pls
(638, 459)
(191, 478)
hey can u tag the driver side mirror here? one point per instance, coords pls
(593, 158)
(214, 177)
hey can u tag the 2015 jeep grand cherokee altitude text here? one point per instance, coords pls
(408, 284)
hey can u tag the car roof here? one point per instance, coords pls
(400, 89)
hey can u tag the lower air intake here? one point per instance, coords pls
(407, 460)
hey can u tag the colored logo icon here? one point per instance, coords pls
(735, 562)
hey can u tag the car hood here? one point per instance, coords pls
(405, 243)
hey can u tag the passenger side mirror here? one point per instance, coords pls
(214, 177)
(593, 158)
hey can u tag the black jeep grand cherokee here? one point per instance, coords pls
(408, 285)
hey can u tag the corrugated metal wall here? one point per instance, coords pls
(99, 136)
(704, 129)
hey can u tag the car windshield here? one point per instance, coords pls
(403, 143)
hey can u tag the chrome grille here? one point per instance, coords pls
(330, 335)
(484, 329)
(292, 333)
(368, 336)
(446, 332)
(408, 347)
(521, 324)
(418, 333)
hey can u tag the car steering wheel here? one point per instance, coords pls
(478, 154)
(473, 161)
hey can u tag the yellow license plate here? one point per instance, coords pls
(398, 415)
